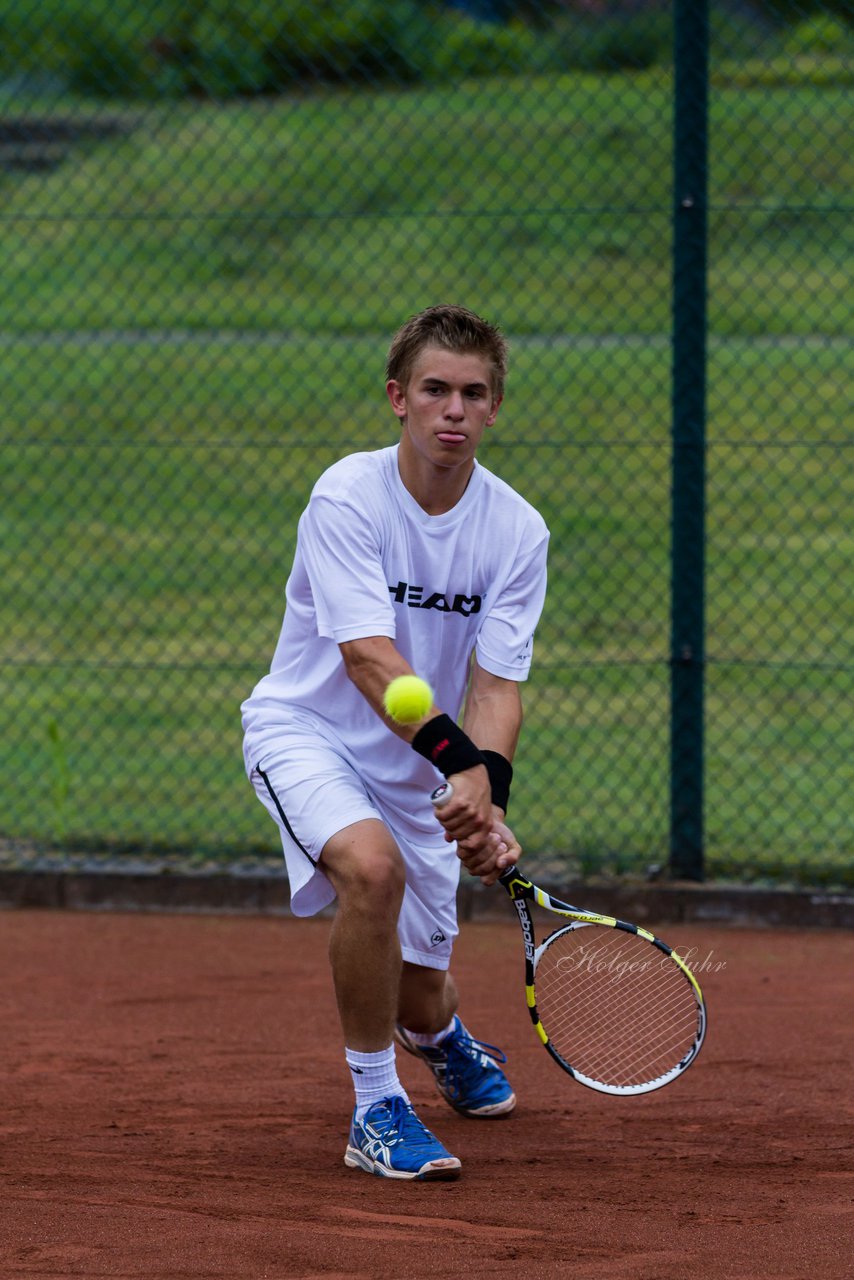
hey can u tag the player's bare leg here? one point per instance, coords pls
(428, 998)
(366, 870)
(386, 1136)
(466, 1070)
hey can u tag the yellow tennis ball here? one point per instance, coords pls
(408, 699)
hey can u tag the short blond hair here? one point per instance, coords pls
(455, 329)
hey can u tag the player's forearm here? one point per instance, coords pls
(493, 720)
(493, 713)
(372, 664)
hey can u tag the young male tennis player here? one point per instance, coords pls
(413, 558)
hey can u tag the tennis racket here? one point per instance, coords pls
(615, 1006)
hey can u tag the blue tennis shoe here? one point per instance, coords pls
(467, 1072)
(391, 1142)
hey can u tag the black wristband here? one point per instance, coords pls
(444, 744)
(500, 772)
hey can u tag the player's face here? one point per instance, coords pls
(446, 406)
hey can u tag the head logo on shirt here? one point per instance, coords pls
(444, 602)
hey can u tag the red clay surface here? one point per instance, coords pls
(175, 1104)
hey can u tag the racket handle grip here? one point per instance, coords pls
(441, 795)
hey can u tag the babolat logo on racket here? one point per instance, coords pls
(525, 922)
(419, 598)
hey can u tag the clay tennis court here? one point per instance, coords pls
(175, 1104)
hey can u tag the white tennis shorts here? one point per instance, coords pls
(311, 792)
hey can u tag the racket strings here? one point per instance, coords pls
(615, 1007)
(618, 1039)
(611, 1063)
(618, 1053)
(624, 1010)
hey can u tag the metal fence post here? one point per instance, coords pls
(687, 638)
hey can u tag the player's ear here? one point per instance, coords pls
(397, 398)
(493, 413)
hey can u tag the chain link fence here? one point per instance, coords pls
(214, 216)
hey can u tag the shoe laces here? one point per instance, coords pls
(403, 1125)
(463, 1051)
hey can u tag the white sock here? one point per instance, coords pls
(434, 1038)
(374, 1077)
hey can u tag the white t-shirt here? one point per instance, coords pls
(371, 562)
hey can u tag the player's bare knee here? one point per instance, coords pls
(377, 882)
(366, 872)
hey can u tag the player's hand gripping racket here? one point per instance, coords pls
(615, 1006)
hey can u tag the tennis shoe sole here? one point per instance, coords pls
(434, 1171)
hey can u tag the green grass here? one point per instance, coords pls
(192, 325)
(147, 583)
(289, 213)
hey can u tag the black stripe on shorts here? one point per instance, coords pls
(284, 817)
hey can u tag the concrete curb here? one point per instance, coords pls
(695, 903)
(262, 893)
